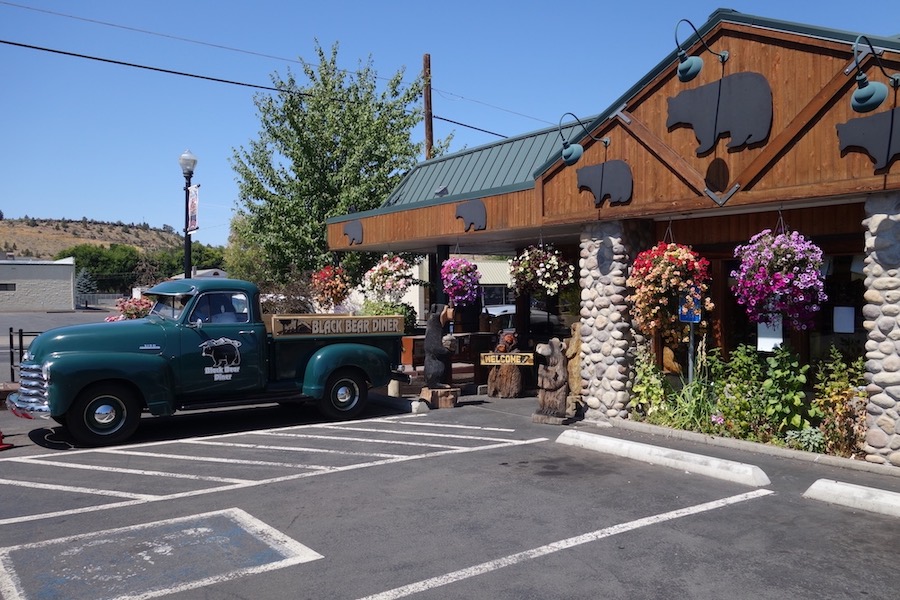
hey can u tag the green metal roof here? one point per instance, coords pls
(487, 170)
(514, 163)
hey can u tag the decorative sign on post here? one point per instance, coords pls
(524, 359)
(689, 306)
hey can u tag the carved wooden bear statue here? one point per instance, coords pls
(505, 381)
(553, 378)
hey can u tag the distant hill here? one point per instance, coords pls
(44, 238)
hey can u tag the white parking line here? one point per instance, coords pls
(299, 448)
(107, 469)
(417, 433)
(74, 489)
(512, 559)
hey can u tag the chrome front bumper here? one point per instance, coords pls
(27, 408)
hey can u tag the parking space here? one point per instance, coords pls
(97, 479)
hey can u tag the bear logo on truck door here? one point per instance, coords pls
(224, 352)
(226, 358)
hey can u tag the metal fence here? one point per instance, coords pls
(18, 343)
(85, 300)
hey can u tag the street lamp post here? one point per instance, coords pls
(187, 161)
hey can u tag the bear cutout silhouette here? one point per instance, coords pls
(473, 214)
(611, 178)
(878, 135)
(739, 105)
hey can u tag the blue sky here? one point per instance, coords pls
(82, 138)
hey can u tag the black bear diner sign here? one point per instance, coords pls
(334, 325)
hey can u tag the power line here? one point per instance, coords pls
(195, 76)
(253, 53)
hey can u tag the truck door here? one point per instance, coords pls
(222, 350)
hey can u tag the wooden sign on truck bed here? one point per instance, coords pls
(335, 325)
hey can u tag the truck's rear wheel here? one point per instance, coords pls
(345, 395)
(104, 414)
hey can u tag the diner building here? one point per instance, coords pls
(786, 125)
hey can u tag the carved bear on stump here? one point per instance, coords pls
(552, 380)
(505, 381)
(438, 349)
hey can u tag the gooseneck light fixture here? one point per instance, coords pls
(187, 161)
(870, 94)
(571, 153)
(689, 66)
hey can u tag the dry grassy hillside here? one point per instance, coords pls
(44, 238)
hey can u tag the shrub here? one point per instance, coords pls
(840, 400)
(383, 307)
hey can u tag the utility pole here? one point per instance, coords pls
(429, 133)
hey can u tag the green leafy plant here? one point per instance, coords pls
(786, 407)
(840, 399)
(809, 439)
(382, 307)
(649, 389)
(740, 400)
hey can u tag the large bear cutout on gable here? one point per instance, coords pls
(739, 105)
(878, 135)
(612, 178)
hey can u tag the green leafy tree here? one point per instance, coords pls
(329, 148)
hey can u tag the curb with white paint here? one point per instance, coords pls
(855, 496)
(685, 461)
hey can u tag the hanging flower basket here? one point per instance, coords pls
(460, 279)
(540, 268)
(330, 286)
(780, 276)
(664, 280)
(389, 279)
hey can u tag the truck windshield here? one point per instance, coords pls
(170, 307)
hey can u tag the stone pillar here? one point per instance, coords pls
(880, 314)
(607, 337)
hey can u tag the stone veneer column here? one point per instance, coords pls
(607, 337)
(880, 313)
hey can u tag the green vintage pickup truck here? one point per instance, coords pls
(205, 344)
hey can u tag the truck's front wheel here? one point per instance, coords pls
(104, 414)
(345, 395)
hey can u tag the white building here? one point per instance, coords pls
(37, 285)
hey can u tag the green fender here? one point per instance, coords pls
(374, 362)
(148, 374)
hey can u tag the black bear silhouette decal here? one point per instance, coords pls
(611, 178)
(473, 214)
(353, 230)
(739, 105)
(878, 135)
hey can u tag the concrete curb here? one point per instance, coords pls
(855, 496)
(743, 445)
(676, 459)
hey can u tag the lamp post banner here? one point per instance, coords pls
(193, 202)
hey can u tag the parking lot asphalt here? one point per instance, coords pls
(722, 458)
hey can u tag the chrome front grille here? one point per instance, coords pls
(32, 384)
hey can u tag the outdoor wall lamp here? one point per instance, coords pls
(689, 66)
(870, 94)
(571, 153)
(187, 161)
